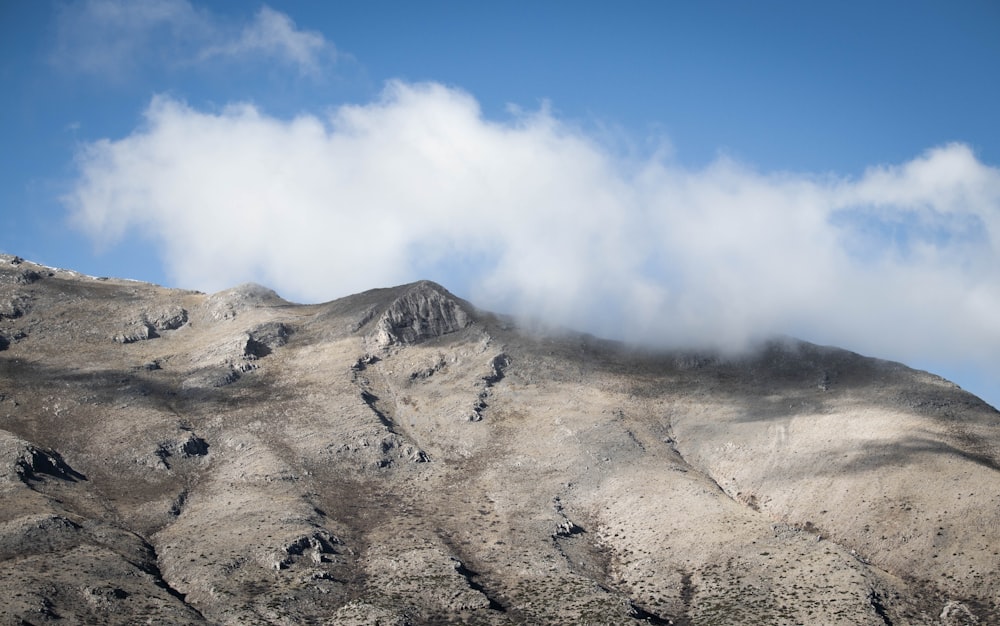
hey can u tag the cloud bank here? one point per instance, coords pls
(114, 38)
(534, 216)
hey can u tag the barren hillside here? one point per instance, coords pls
(400, 457)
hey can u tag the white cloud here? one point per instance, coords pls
(109, 37)
(114, 38)
(537, 217)
(274, 35)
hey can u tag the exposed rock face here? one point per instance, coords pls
(12, 307)
(27, 462)
(145, 325)
(398, 457)
(228, 304)
(137, 331)
(423, 312)
(169, 318)
(264, 338)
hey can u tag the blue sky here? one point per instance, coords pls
(678, 173)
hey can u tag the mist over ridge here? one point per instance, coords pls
(535, 216)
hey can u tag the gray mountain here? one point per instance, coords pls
(401, 457)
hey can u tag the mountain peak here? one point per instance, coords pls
(423, 311)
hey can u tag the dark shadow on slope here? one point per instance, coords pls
(786, 378)
(41, 463)
(874, 457)
(372, 401)
(152, 567)
(154, 389)
(906, 451)
(470, 579)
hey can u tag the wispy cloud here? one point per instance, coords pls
(538, 217)
(273, 34)
(112, 37)
(115, 38)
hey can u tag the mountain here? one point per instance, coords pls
(402, 457)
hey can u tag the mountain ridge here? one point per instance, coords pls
(399, 456)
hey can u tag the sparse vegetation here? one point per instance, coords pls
(294, 464)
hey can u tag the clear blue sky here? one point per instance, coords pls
(672, 172)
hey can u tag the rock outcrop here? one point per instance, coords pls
(424, 311)
(228, 304)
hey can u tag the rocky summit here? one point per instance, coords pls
(401, 457)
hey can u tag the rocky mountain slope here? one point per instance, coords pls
(400, 457)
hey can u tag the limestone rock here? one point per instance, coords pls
(13, 306)
(228, 304)
(425, 311)
(262, 339)
(169, 318)
(25, 461)
(136, 331)
(956, 613)
(28, 276)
